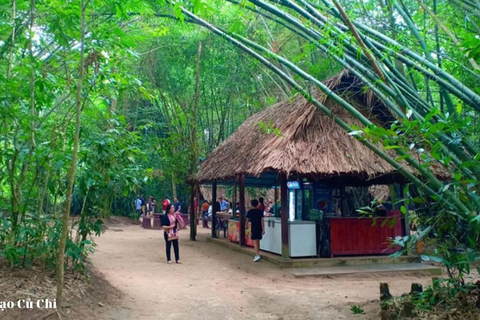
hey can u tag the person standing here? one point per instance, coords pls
(171, 223)
(205, 207)
(165, 203)
(257, 227)
(138, 206)
(144, 205)
(261, 205)
(154, 203)
(223, 204)
(176, 204)
(269, 210)
(149, 207)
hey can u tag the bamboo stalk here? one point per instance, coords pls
(442, 26)
(391, 67)
(350, 109)
(449, 199)
(355, 33)
(73, 166)
(437, 74)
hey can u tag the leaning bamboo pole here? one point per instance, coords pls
(449, 198)
(355, 113)
(451, 149)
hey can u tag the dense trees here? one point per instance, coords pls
(102, 100)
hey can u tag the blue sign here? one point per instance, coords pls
(292, 185)
(323, 197)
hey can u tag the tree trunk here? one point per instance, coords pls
(174, 186)
(73, 167)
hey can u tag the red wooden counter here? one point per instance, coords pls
(359, 236)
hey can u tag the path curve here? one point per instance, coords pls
(215, 283)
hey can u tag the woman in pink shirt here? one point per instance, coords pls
(171, 223)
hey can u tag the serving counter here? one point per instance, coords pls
(234, 232)
(362, 236)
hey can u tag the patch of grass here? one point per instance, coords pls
(357, 310)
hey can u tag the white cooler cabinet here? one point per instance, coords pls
(302, 237)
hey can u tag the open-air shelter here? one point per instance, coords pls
(295, 146)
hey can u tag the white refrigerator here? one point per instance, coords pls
(302, 237)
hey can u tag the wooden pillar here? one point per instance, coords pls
(343, 206)
(199, 206)
(234, 200)
(284, 215)
(242, 210)
(198, 210)
(214, 207)
(393, 196)
(275, 200)
(192, 213)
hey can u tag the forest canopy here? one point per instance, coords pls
(102, 100)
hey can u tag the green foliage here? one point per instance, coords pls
(441, 297)
(356, 309)
(145, 129)
(38, 75)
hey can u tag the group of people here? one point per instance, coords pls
(225, 206)
(254, 216)
(267, 210)
(172, 221)
(146, 208)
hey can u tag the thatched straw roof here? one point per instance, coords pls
(310, 143)
(206, 192)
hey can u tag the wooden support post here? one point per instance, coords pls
(214, 207)
(385, 292)
(192, 213)
(343, 206)
(275, 200)
(199, 207)
(234, 200)
(242, 210)
(416, 288)
(393, 196)
(284, 215)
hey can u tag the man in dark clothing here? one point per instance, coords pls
(144, 205)
(257, 227)
(176, 204)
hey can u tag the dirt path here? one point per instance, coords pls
(214, 283)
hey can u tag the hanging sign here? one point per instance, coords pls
(292, 185)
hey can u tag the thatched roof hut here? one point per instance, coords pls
(310, 143)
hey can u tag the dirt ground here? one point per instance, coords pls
(215, 283)
(86, 295)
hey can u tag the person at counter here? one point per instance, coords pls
(270, 207)
(261, 204)
(223, 204)
(257, 225)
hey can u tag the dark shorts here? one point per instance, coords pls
(256, 233)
